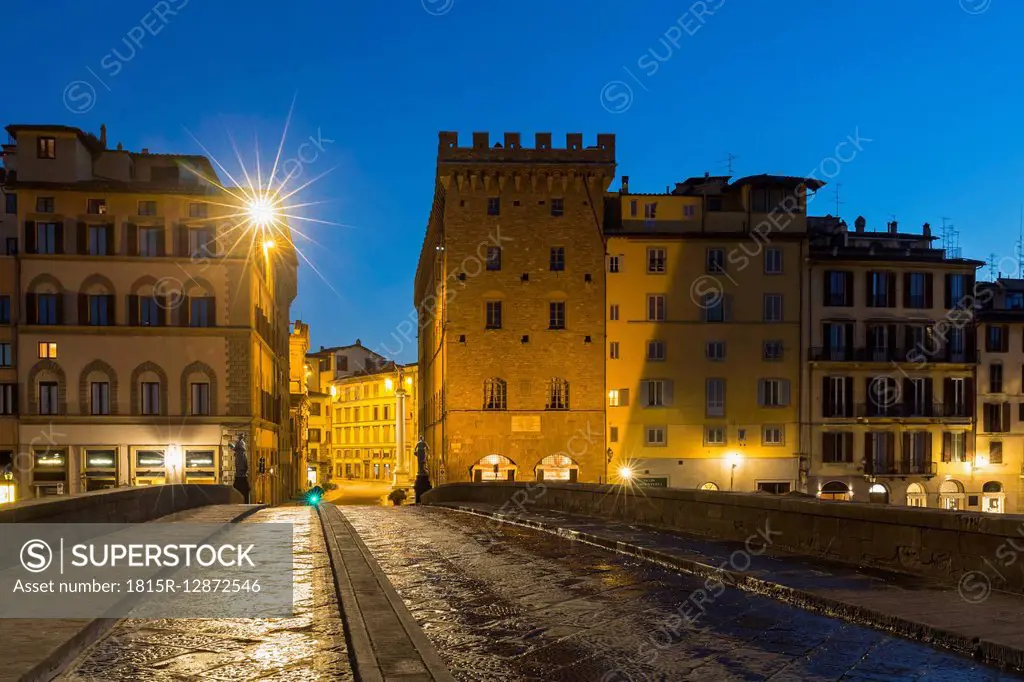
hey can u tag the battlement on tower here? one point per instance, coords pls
(511, 150)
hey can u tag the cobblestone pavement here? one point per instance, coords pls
(504, 603)
(308, 646)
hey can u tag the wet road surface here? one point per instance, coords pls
(504, 603)
(308, 646)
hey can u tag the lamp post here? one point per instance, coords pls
(733, 458)
(7, 488)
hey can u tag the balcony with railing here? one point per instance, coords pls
(899, 467)
(870, 410)
(891, 354)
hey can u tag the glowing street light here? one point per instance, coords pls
(261, 211)
(626, 473)
(734, 459)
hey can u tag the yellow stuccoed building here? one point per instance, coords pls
(146, 331)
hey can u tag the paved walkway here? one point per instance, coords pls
(969, 619)
(387, 644)
(308, 646)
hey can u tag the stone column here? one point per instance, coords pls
(401, 465)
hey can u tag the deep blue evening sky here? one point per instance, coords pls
(935, 88)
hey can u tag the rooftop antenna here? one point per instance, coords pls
(950, 239)
(993, 264)
(729, 158)
(1020, 245)
(838, 201)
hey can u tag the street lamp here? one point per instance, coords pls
(7, 488)
(733, 458)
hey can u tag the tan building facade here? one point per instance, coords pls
(510, 292)
(147, 336)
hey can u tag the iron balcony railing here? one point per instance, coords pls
(900, 467)
(891, 354)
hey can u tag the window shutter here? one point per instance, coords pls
(1004, 424)
(161, 242)
(726, 308)
(181, 238)
(891, 338)
(890, 451)
(947, 396)
(906, 289)
(905, 453)
(909, 397)
(109, 231)
(760, 392)
(133, 310)
(927, 459)
(987, 419)
(869, 451)
(784, 386)
(702, 305)
(669, 386)
(848, 386)
(969, 396)
(111, 310)
(890, 280)
(947, 443)
(929, 397)
(828, 286)
(31, 309)
(131, 239)
(83, 237)
(1005, 338)
(848, 289)
(623, 397)
(644, 394)
(827, 446)
(848, 446)
(211, 311)
(83, 309)
(184, 311)
(826, 397)
(929, 295)
(60, 308)
(59, 238)
(948, 300)
(868, 278)
(30, 236)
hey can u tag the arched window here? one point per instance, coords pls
(96, 305)
(44, 302)
(197, 306)
(198, 390)
(558, 394)
(878, 494)
(150, 300)
(992, 498)
(916, 495)
(557, 468)
(493, 468)
(709, 486)
(835, 491)
(951, 495)
(495, 394)
(97, 389)
(149, 390)
(48, 389)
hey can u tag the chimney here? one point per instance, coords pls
(892, 227)
(145, 150)
(859, 224)
(926, 229)
(625, 185)
(103, 135)
(120, 147)
(707, 175)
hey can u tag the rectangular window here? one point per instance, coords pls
(614, 398)
(773, 392)
(997, 338)
(613, 312)
(46, 238)
(47, 350)
(838, 396)
(556, 315)
(772, 308)
(918, 288)
(98, 240)
(713, 307)
(44, 205)
(996, 417)
(838, 288)
(632, 208)
(100, 306)
(836, 447)
(689, 211)
(46, 147)
(773, 261)
(150, 397)
(46, 309)
(995, 378)
(995, 452)
(197, 210)
(495, 395)
(613, 434)
(494, 258)
(714, 397)
(772, 435)
(656, 393)
(715, 350)
(558, 395)
(557, 207)
(493, 315)
(150, 313)
(771, 350)
(149, 241)
(200, 311)
(613, 350)
(656, 308)
(656, 261)
(96, 206)
(8, 395)
(650, 211)
(714, 435)
(147, 208)
(557, 261)
(654, 436)
(6, 359)
(11, 204)
(201, 242)
(773, 487)
(655, 351)
(715, 261)
(200, 404)
(99, 402)
(5, 309)
(614, 263)
(881, 287)
(48, 397)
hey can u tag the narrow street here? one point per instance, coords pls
(506, 603)
(308, 646)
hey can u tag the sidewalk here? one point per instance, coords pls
(989, 627)
(385, 642)
(35, 648)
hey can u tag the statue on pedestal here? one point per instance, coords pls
(241, 467)
(422, 484)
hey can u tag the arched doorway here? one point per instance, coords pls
(709, 486)
(916, 495)
(878, 494)
(493, 468)
(993, 498)
(835, 491)
(951, 495)
(557, 468)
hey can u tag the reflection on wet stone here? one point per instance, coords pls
(510, 603)
(308, 646)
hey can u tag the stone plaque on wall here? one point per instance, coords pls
(529, 423)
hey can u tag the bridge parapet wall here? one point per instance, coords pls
(920, 541)
(119, 505)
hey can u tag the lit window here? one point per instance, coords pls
(46, 148)
(557, 207)
(96, 207)
(47, 350)
(613, 398)
(556, 316)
